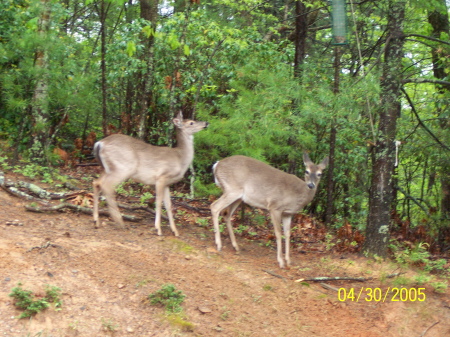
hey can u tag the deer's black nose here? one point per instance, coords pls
(311, 186)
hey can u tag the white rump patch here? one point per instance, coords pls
(214, 172)
(98, 149)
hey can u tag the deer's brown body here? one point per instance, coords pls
(253, 182)
(124, 157)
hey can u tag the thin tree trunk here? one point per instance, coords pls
(149, 12)
(441, 24)
(127, 115)
(103, 11)
(329, 211)
(39, 109)
(383, 156)
(300, 34)
(301, 31)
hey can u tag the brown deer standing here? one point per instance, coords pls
(253, 182)
(124, 157)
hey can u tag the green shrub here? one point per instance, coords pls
(26, 301)
(168, 297)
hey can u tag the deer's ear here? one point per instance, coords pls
(324, 163)
(178, 121)
(306, 159)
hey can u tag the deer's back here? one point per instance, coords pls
(260, 184)
(138, 160)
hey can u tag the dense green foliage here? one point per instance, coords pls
(231, 63)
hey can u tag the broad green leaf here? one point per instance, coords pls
(131, 48)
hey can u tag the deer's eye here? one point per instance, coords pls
(307, 172)
(319, 174)
(192, 123)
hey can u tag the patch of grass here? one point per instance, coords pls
(169, 298)
(74, 325)
(109, 325)
(26, 301)
(203, 222)
(180, 322)
(401, 281)
(439, 287)
(267, 287)
(225, 314)
(142, 283)
(181, 246)
(53, 295)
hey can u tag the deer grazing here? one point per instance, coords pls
(244, 179)
(124, 157)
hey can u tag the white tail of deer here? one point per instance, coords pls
(244, 179)
(124, 157)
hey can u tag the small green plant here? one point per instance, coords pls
(109, 325)
(439, 287)
(179, 321)
(241, 228)
(74, 325)
(25, 300)
(142, 283)
(401, 281)
(181, 246)
(329, 241)
(225, 314)
(256, 299)
(202, 222)
(418, 255)
(422, 279)
(4, 163)
(120, 189)
(145, 197)
(168, 297)
(267, 287)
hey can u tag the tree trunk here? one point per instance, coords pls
(301, 30)
(149, 12)
(329, 211)
(383, 155)
(130, 91)
(39, 109)
(103, 12)
(441, 24)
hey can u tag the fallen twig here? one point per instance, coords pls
(393, 275)
(45, 245)
(273, 274)
(327, 286)
(86, 210)
(141, 208)
(34, 189)
(337, 278)
(192, 208)
(19, 194)
(426, 330)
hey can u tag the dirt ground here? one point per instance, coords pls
(106, 275)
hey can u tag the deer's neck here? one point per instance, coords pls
(306, 195)
(185, 147)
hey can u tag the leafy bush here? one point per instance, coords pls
(25, 300)
(168, 297)
(418, 255)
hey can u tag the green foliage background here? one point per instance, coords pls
(231, 63)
